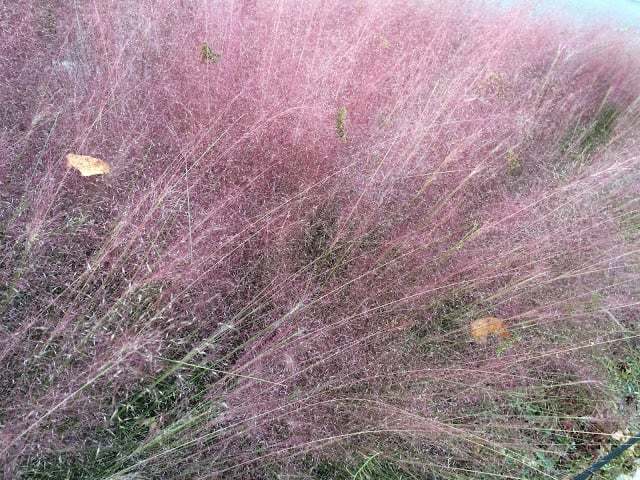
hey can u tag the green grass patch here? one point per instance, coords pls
(624, 374)
(146, 419)
(630, 226)
(585, 138)
(559, 417)
(372, 467)
(441, 327)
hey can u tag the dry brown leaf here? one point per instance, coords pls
(483, 327)
(88, 166)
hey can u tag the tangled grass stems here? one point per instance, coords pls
(308, 207)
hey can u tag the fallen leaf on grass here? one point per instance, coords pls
(88, 166)
(483, 327)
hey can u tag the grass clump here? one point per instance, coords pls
(630, 226)
(442, 326)
(371, 468)
(143, 422)
(599, 133)
(625, 380)
(586, 138)
(241, 292)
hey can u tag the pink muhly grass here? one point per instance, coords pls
(309, 205)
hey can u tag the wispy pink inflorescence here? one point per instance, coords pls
(309, 203)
